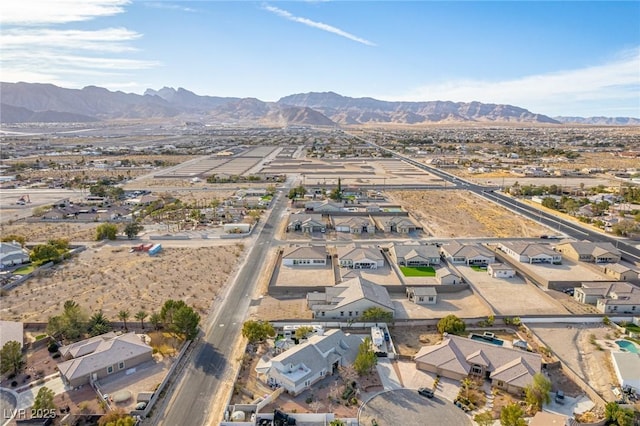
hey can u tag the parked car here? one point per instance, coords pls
(426, 392)
(386, 337)
(560, 397)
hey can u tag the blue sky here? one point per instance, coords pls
(554, 58)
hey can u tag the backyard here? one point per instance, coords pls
(418, 271)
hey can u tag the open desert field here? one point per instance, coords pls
(460, 214)
(110, 278)
(41, 232)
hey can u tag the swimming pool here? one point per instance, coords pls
(486, 339)
(627, 346)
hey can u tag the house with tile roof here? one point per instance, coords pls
(530, 252)
(353, 224)
(619, 272)
(100, 356)
(415, 254)
(305, 256)
(586, 251)
(399, 224)
(13, 254)
(299, 367)
(609, 297)
(422, 295)
(349, 299)
(468, 254)
(360, 257)
(458, 357)
(306, 223)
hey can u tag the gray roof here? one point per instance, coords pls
(617, 267)
(10, 248)
(529, 249)
(456, 249)
(422, 291)
(304, 218)
(512, 366)
(108, 351)
(409, 251)
(305, 252)
(500, 267)
(628, 365)
(444, 272)
(351, 252)
(353, 290)
(351, 221)
(594, 249)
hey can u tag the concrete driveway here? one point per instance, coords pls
(412, 378)
(407, 408)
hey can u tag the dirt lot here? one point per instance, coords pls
(460, 214)
(464, 304)
(110, 278)
(42, 232)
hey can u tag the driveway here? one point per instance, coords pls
(406, 407)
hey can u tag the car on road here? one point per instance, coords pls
(426, 392)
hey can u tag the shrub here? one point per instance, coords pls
(309, 400)
(56, 355)
(14, 384)
(53, 347)
(353, 401)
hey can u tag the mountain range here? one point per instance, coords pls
(34, 102)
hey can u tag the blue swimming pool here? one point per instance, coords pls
(627, 346)
(487, 339)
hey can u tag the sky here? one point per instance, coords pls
(568, 58)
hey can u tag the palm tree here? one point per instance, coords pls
(140, 316)
(124, 316)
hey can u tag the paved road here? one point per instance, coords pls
(629, 253)
(209, 365)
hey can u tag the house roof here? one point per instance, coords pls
(444, 272)
(616, 267)
(589, 248)
(306, 219)
(528, 249)
(500, 267)
(628, 365)
(396, 220)
(512, 366)
(455, 249)
(423, 291)
(351, 221)
(353, 253)
(101, 352)
(354, 290)
(10, 248)
(409, 251)
(305, 252)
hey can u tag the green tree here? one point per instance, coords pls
(484, 419)
(374, 314)
(62, 244)
(11, 358)
(512, 415)
(451, 324)
(116, 418)
(44, 400)
(132, 229)
(43, 253)
(550, 203)
(98, 324)
(538, 392)
(155, 319)
(257, 331)
(71, 324)
(617, 415)
(337, 422)
(106, 231)
(140, 316)
(123, 316)
(303, 332)
(185, 322)
(169, 309)
(366, 358)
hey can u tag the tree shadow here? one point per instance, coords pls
(210, 361)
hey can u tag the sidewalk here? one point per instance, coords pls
(26, 397)
(387, 373)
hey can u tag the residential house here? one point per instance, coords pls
(422, 295)
(13, 254)
(360, 257)
(501, 270)
(458, 357)
(399, 224)
(415, 255)
(530, 252)
(586, 251)
(619, 272)
(305, 256)
(468, 254)
(324, 206)
(353, 224)
(306, 223)
(299, 367)
(100, 356)
(609, 297)
(627, 368)
(349, 299)
(445, 276)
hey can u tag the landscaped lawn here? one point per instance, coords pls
(479, 268)
(418, 271)
(24, 270)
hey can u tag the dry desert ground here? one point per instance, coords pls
(112, 279)
(461, 214)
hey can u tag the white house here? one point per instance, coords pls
(13, 254)
(305, 256)
(500, 270)
(610, 297)
(422, 295)
(469, 254)
(360, 257)
(298, 368)
(530, 253)
(627, 368)
(348, 300)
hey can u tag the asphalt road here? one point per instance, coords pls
(208, 367)
(571, 229)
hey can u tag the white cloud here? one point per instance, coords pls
(109, 39)
(550, 93)
(319, 25)
(39, 12)
(169, 6)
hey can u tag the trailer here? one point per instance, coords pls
(155, 249)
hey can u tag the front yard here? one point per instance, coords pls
(418, 271)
